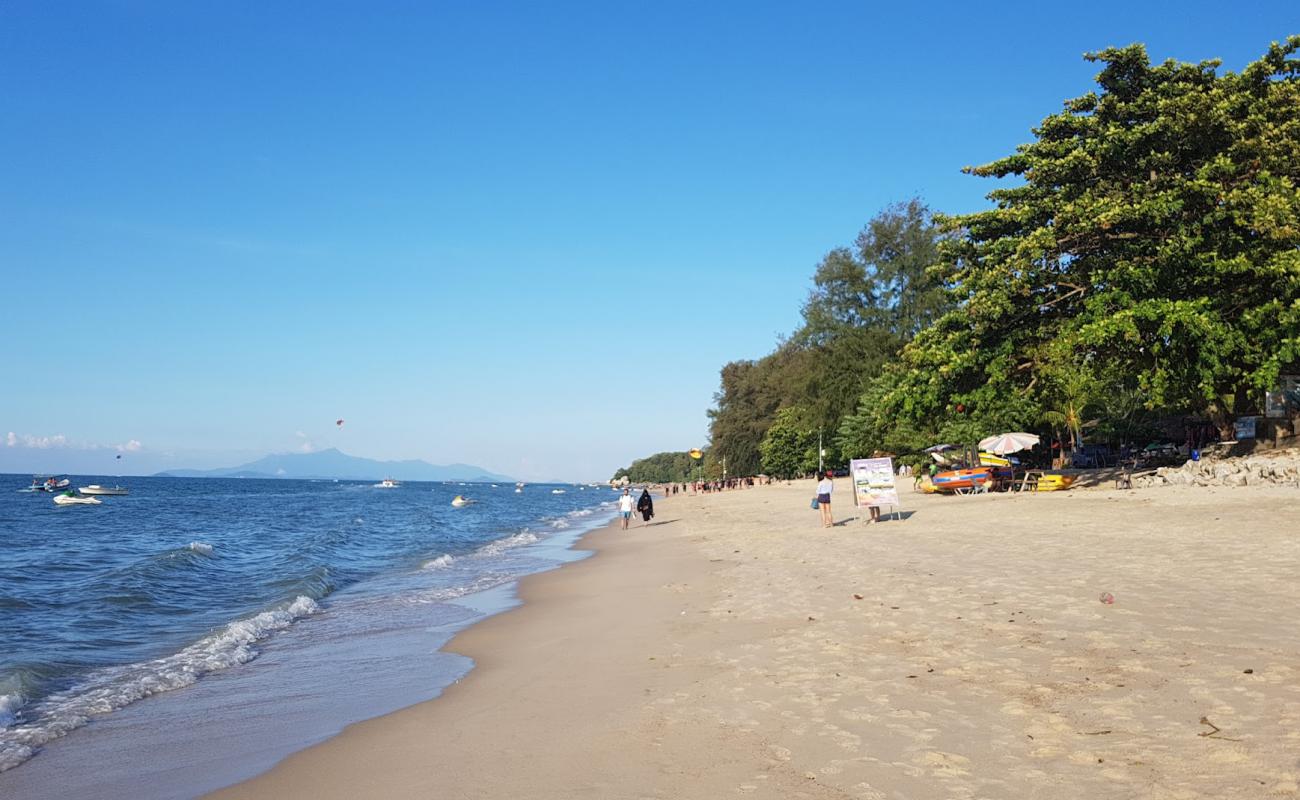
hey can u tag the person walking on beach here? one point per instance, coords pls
(625, 506)
(646, 506)
(824, 488)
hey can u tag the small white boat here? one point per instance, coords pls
(95, 488)
(557, 491)
(50, 483)
(75, 500)
(388, 483)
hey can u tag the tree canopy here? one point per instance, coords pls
(1150, 250)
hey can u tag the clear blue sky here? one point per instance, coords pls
(521, 235)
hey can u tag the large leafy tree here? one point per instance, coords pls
(1155, 229)
(866, 302)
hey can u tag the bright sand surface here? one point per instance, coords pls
(738, 648)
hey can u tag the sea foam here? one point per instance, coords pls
(111, 688)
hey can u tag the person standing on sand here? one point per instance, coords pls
(824, 489)
(625, 506)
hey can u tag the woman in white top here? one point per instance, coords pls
(824, 488)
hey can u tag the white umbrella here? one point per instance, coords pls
(1005, 443)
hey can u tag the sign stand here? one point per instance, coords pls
(873, 485)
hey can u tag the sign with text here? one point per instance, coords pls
(873, 482)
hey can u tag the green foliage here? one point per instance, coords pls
(866, 302)
(789, 448)
(670, 467)
(1151, 251)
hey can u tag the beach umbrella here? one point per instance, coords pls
(1005, 443)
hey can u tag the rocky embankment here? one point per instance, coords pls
(1281, 468)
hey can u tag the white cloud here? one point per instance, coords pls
(59, 441)
(307, 446)
(35, 442)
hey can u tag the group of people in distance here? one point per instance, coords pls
(646, 508)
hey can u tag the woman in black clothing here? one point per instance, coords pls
(645, 505)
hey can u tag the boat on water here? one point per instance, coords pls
(70, 499)
(519, 487)
(49, 483)
(557, 491)
(388, 483)
(96, 489)
(459, 501)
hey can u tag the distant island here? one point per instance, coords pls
(331, 464)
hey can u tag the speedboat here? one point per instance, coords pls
(95, 488)
(459, 501)
(70, 499)
(388, 483)
(49, 483)
(557, 491)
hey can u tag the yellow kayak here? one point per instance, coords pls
(1055, 483)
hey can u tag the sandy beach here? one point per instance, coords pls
(736, 648)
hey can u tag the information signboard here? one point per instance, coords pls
(873, 482)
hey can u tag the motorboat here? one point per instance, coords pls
(557, 491)
(388, 483)
(49, 483)
(458, 501)
(95, 488)
(70, 499)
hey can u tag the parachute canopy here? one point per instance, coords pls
(338, 422)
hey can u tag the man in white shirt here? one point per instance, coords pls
(625, 506)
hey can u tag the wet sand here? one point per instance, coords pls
(737, 648)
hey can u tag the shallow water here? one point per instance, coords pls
(239, 597)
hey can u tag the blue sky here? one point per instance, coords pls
(524, 236)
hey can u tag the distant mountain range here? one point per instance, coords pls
(332, 463)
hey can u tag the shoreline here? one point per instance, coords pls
(738, 648)
(389, 748)
(306, 676)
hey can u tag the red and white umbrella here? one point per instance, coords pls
(1005, 443)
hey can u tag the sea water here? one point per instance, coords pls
(194, 632)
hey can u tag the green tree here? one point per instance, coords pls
(789, 448)
(1156, 227)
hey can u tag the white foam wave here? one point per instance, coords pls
(442, 594)
(441, 562)
(510, 542)
(9, 705)
(114, 687)
(202, 548)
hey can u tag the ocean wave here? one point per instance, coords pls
(202, 548)
(509, 543)
(441, 562)
(480, 583)
(114, 687)
(9, 705)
